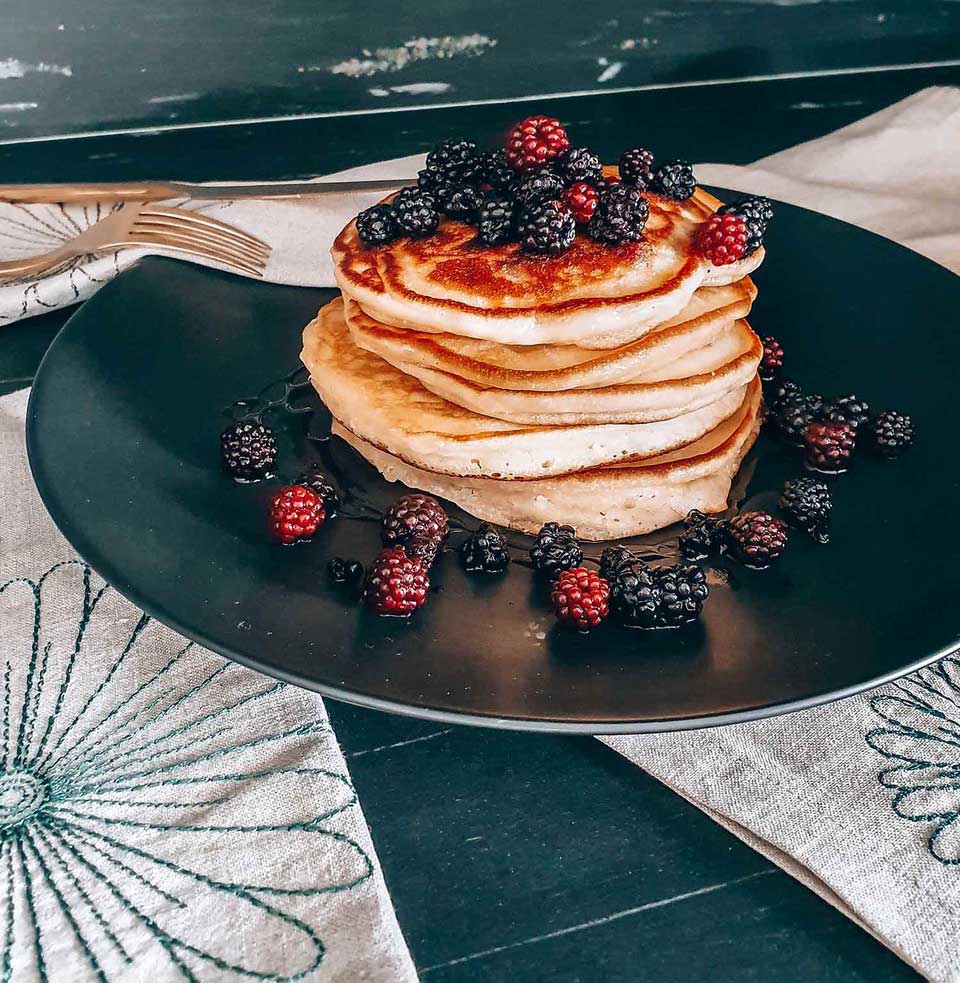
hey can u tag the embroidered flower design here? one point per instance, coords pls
(921, 736)
(164, 814)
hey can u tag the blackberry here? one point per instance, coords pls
(846, 409)
(347, 572)
(829, 446)
(757, 212)
(633, 595)
(892, 433)
(415, 212)
(555, 549)
(431, 182)
(682, 590)
(772, 361)
(794, 413)
(417, 523)
(579, 164)
(806, 503)
(636, 167)
(541, 184)
(658, 597)
(535, 141)
(546, 227)
(495, 220)
(674, 179)
(456, 162)
(499, 172)
(396, 583)
(620, 216)
(460, 201)
(314, 478)
(485, 551)
(781, 389)
(613, 559)
(375, 225)
(756, 539)
(580, 598)
(702, 536)
(248, 449)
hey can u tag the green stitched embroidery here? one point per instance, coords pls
(100, 772)
(921, 737)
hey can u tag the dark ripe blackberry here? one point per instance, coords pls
(613, 559)
(417, 523)
(485, 551)
(495, 221)
(457, 162)
(682, 589)
(546, 227)
(793, 414)
(634, 596)
(702, 536)
(674, 179)
(892, 433)
(314, 478)
(460, 201)
(636, 167)
(431, 181)
(247, 450)
(757, 212)
(541, 184)
(846, 409)
(772, 361)
(779, 390)
(621, 215)
(580, 164)
(756, 539)
(806, 505)
(347, 572)
(415, 212)
(375, 225)
(828, 446)
(556, 548)
(499, 172)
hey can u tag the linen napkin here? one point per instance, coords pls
(859, 800)
(164, 814)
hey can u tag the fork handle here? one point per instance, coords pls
(43, 194)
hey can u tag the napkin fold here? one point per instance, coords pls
(859, 800)
(164, 814)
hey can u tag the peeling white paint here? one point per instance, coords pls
(16, 107)
(422, 88)
(13, 68)
(611, 71)
(181, 97)
(644, 44)
(417, 49)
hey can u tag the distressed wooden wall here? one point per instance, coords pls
(69, 66)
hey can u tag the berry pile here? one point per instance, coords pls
(538, 188)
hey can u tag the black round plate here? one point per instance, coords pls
(123, 432)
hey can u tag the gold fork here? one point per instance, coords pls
(140, 224)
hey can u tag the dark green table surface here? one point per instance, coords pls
(516, 856)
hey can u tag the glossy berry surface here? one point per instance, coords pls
(395, 583)
(703, 536)
(415, 212)
(580, 165)
(417, 522)
(892, 433)
(484, 551)
(806, 504)
(248, 450)
(555, 549)
(315, 478)
(772, 361)
(535, 141)
(674, 179)
(580, 598)
(756, 539)
(828, 446)
(582, 198)
(546, 228)
(375, 225)
(722, 239)
(636, 167)
(296, 512)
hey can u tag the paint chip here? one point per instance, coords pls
(415, 50)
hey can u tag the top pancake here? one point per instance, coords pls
(594, 295)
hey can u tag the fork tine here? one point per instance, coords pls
(181, 216)
(191, 247)
(211, 240)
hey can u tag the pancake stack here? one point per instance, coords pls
(613, 388)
